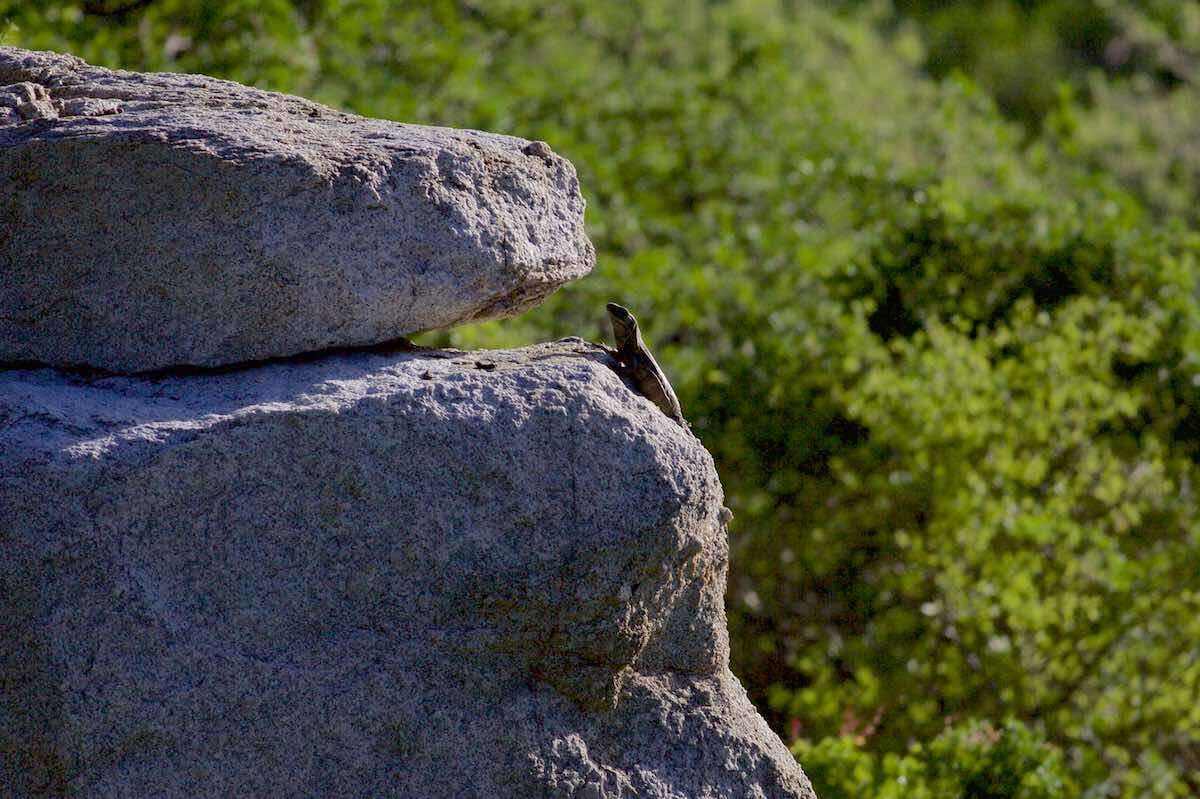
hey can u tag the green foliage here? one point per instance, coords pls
(1142, 136)
(1022, 51)
(949, 368)
(261, 42)
(972, 760)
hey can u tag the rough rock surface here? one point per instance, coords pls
(409, 573)
(149, 220)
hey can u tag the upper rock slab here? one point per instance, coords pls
(154, 220)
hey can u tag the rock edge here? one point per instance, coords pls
(150, 220)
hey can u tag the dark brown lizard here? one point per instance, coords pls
(637, 364)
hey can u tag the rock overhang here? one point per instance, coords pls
(156, 220)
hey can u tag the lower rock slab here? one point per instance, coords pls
(408, 574)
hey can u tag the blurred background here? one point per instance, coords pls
(924, 275)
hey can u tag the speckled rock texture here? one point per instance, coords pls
(406, 573)
(151, 220)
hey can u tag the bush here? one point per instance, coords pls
(973, 760)
(1022, 51)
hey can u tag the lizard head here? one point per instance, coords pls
(625, 327)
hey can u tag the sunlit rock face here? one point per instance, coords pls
(154, 220)
(417, 573)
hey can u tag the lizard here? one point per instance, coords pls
(636, 363)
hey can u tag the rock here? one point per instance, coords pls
(370, 574)
(28, 100)
(151, 220)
